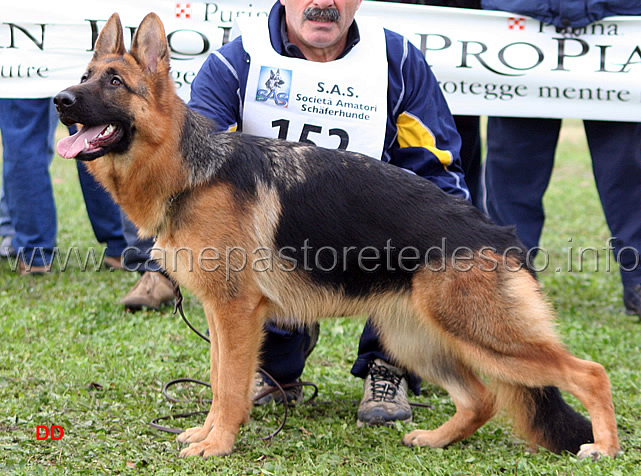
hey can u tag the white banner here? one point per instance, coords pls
(490, 63)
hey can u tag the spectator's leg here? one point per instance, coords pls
(616, 160)
(520, 157)
(28, 127)
(470, 130)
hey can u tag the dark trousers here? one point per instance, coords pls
(469, 129)
(519, 162)
(282, 354)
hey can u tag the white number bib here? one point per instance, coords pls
(340, 104)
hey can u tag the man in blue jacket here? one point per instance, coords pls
(371, 92)
(520, 154)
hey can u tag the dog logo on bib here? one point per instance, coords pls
(274, 86)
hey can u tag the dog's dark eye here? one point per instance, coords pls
(116, 81)
(84, 78)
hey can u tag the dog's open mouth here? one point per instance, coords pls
(89, 142)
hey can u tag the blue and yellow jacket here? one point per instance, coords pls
(420, 134)
(566, 13)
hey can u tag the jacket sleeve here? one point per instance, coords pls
(219, 87)
(426, 140)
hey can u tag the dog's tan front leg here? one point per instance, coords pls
(199, 433)
(239, 331)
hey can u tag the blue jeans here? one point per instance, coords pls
(520, 158)
(28, 127)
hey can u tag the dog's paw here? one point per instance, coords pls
(206, 449)
(193, 435)
(595, 451)
(421, 438)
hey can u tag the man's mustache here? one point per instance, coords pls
(330, 14)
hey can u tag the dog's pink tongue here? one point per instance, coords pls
(71, 146)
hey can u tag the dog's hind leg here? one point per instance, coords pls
(588, 382)
(546, 420)
(238, 325)
(415, 344)
(199, 433)
(474, 406)
(532, 357)
(500, 325)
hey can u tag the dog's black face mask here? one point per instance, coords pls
(105, 127)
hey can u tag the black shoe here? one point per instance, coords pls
(632, 299)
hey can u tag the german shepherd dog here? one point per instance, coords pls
(332, 233)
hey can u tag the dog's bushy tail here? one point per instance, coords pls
(542, 417)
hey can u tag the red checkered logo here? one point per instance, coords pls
(516, 23)
(183, 10)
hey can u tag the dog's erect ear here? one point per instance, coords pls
(149, 45)
(110, 40)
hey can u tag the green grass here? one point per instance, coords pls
(71, 357)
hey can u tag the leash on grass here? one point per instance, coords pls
(178, 308)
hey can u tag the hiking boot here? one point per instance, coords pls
(632, 299)
(385, 396)
(152, 290)
(264, 392)
(6, 248)
(32, 270)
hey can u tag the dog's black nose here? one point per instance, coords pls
(64, 99)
